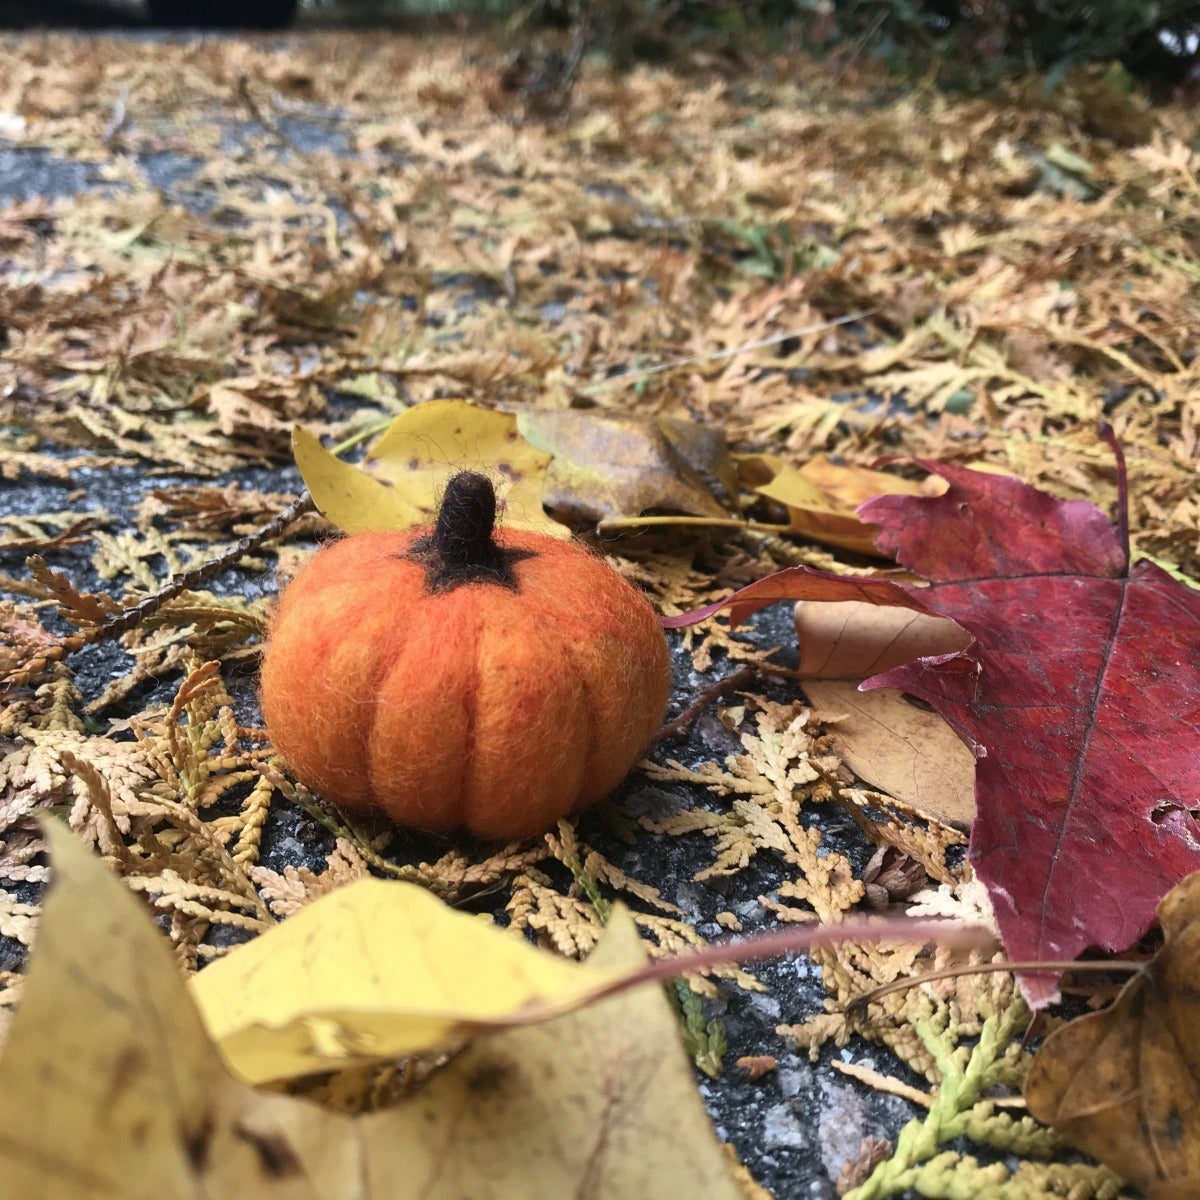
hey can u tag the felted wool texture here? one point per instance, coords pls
(480, 707)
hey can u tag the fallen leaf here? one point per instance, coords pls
(107, 1045)
(324, 992)
(822, 496)
(882, 736)
(377, 970)
(599, 1103)
(1123, 1085)
(898, 748)
(852, 639)
(1080, 698)
(608, 467)
(401, 478)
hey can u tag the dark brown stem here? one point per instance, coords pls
(461, 548)
(1109, 438)
(738, 679)
(132, 617)
(466, 521)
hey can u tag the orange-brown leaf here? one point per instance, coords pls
(1124, 1085)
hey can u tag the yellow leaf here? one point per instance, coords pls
(821, 496)
(600, 1103)
(378, 970)
(110, 1087)
(108, 1084)
(400, 480)
(370, 973)
(348, 496)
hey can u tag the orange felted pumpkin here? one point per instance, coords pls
(454, 678)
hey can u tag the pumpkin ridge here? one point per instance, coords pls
(384, 666)
(467, 786)
(590, 707)
(353, 746)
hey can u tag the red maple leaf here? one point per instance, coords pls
(1080, 696)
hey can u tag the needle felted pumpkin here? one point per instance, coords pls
(463, 677)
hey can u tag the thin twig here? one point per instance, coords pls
(130, 618)
(114, 627)
(739, 678)
(120, 115)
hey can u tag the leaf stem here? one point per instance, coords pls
(859, 1004)
(1109, 438)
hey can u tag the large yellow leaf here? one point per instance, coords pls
(371, 972)
(378, 970)
(601, 1103)
(401, 478)
(109, 1087)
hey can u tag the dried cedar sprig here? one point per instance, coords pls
(130, 618)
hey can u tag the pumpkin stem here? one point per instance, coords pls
(465, 521)
(461, 548)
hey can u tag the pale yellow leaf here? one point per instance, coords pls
(600, 1103)
(372, 972)
(109, 1087)
(401, 479)
(108, 1084)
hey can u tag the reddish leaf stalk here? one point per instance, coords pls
(1109, 438)
(801, 940)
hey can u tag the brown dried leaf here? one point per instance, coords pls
(609, 466)
(894, 745)
(1124, 1084)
